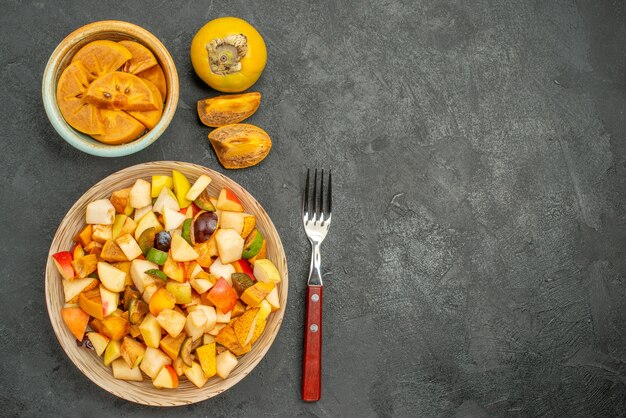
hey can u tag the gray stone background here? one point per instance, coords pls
(476, 262)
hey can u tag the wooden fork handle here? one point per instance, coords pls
(312, 363)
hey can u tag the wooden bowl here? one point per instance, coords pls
(115, 31)
(87, 361)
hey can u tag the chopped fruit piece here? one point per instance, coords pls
(94, 248)
(149, 220)
(141, 212)
(229, 245)
(153, 361)
(112, 252)
(181, 250)
(162, 299)
(71, 87)
(195, 374)
(226, 363)
(273, 300)
(265, 309)
(140, 194)
(173, 269)
(171, 321)
(181, 187)
(186, 230)
(241, 282)
(217, 329)
(138, 268)
(118, 224)
(129, 246)
(76, 320)
(115, 327)
(261, 254)
(137, 310)
(238, 309)
(203, 201)
(110, 301)
(100, 212)
(146, 240)
(172, 219)
(92, 306)
(241, 222)
(201, 285)
(84, 236)
(207, 358)
(150, 331)
(156, 256)
(253, 296)
(101, 233)
(167, 378)
(112, 278)
(123, 372)
(207, 339)
(222, 270)
(242, 266)
(171, 346)
(120, 199)
(180, 291)
(63, 263)
(244, 325)
(101, 57)
(159, 182)
(77, 251)
(163, 241)
(253, 244)
(157, 274)
(113, 352)
(266, 271)
(132, 351)
(72, 289)
(223, 296)
(222, 318)
(195, 324)
(98, 341)
(227, 200)
(117, 91)
(166, 199)
(198, 187)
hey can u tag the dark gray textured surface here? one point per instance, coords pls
(476, 262)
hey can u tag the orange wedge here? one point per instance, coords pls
(142, 58)
(119, 127)
(122, 91)
(149, 118)
(101, 57)
(71, 88)
(155, 74)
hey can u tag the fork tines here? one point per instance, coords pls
(318, 206)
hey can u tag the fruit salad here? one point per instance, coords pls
(112, 91)
(167, 281)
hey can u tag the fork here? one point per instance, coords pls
(316, 220)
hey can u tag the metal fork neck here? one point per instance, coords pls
(315, 270)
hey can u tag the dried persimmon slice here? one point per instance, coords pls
(122, 91)
(141, 60)
(71, 88)
(101, 57)
(119, 127)
(155, 74)
(149, 118)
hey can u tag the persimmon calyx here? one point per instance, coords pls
(225, 53)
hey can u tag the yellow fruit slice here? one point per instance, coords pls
(101, 57)
(240, 145)
(150, 118)
(228, 109)
(71, 88)
(142, 58)
(119, 127)
(155, 74)
(122, 91)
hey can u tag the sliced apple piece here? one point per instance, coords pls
(110, 301)
(112, 252)
(172, 219)
(138, 274)
(150, 331)
(173, 269)
(122, 371)
(132, 351)
(72, 289)
(201, 285)
(113, 352)
(120, 199)
(195, 374)
(102, 233)
(153, 361)
(226, 363)
(167, 378)
(180, 291)
(129, 246)
(181, 250)
(198, 187)
(112, 278)
(76, 321)
(181, 187)
(100, 212)
(241, 222)
(266, 271)
(63, 262)
(209, 312)
(159, 182)
(149, 220)
(98, 341)
(141, 212)
(166, 199)
(171, 321)
(273, 300)
(229, 245)
(140, 194)
(227, 200)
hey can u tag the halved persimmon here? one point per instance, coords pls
(122, 91)
(101, 57)
(155, 74)
(149, 118)
(142, 58)
(71, 89)
(119, 127)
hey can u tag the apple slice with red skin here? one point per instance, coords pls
(63, 262)
(227, 200)
(167, 378)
